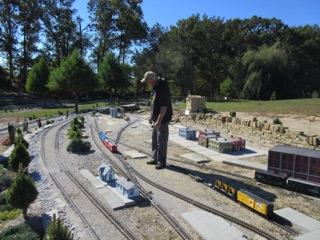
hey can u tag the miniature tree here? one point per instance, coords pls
(25, 126)
(56, 230)
(22, 192)
(21, 140)
(39, 122)
(19, 155)
(11, 131)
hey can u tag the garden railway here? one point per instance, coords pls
(124, 133)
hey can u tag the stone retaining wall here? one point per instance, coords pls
(258, 133)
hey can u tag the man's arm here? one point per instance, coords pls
(163, 111)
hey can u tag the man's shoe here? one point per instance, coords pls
(160, 166)
(152, 162)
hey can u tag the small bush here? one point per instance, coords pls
(9, 215)
(18, 131)
(5, 183)
(21, 231)
(232, 114)
(315, 94)
(273, 96)
(78, 145)
(81, 118)
(277, 121)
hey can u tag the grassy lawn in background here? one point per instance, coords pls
(310, 106)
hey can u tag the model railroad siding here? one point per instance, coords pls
(304, 186)
(295, 162)
(254, 202)
(270, 178)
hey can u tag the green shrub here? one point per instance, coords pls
(273, 96)
(9, 215)
(277, 121)
(78, 145)
(21, 140)
(5, 182)
(81, 118)
(315, 94)
(19, 232)
(232, 114)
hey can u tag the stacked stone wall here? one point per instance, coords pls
(255, 132)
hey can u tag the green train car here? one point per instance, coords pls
(247, 198)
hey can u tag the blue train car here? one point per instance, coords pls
(102, 136)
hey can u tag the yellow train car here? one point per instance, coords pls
(254, 202)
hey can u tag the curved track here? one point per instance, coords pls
(128, 172)
(99, 205)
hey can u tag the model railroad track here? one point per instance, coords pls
(97, 203)
(195, 203)
(189, 200)
(276, 221)
(60, 186)
(129, 173)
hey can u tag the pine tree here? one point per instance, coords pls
(22, 192)
(56, 230)
(19, 155)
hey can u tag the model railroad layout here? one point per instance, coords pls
(121, 226)
(135, 173)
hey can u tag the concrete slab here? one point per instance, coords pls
(210, 226)
(195, 157)
(91, 178)
(314, 235)
(299, 220)
(135, 154)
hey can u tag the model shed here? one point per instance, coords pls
(127, 188)
(106, 172)
(295, 162)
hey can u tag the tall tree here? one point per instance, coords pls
(103, 27)
(110, 73)
(38, 79)
(8, 32)
(130, 26)
(74, 77)
(28, 19)
(60, 28)
(22, 192)
(268, 70)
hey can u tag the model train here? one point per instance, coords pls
(247, 198)
(290, 183)
(107, 142)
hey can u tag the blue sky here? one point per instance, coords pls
(168, 12)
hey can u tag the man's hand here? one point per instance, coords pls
(150, 121)
(157, 125)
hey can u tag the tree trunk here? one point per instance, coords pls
(76, 103)
(24, 212)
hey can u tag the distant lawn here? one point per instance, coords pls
(310, 106)
(49, 111)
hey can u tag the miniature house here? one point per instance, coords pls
(127, 188)
(106, 173)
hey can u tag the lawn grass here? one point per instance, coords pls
(310, 106)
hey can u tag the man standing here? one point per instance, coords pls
(160, 117)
